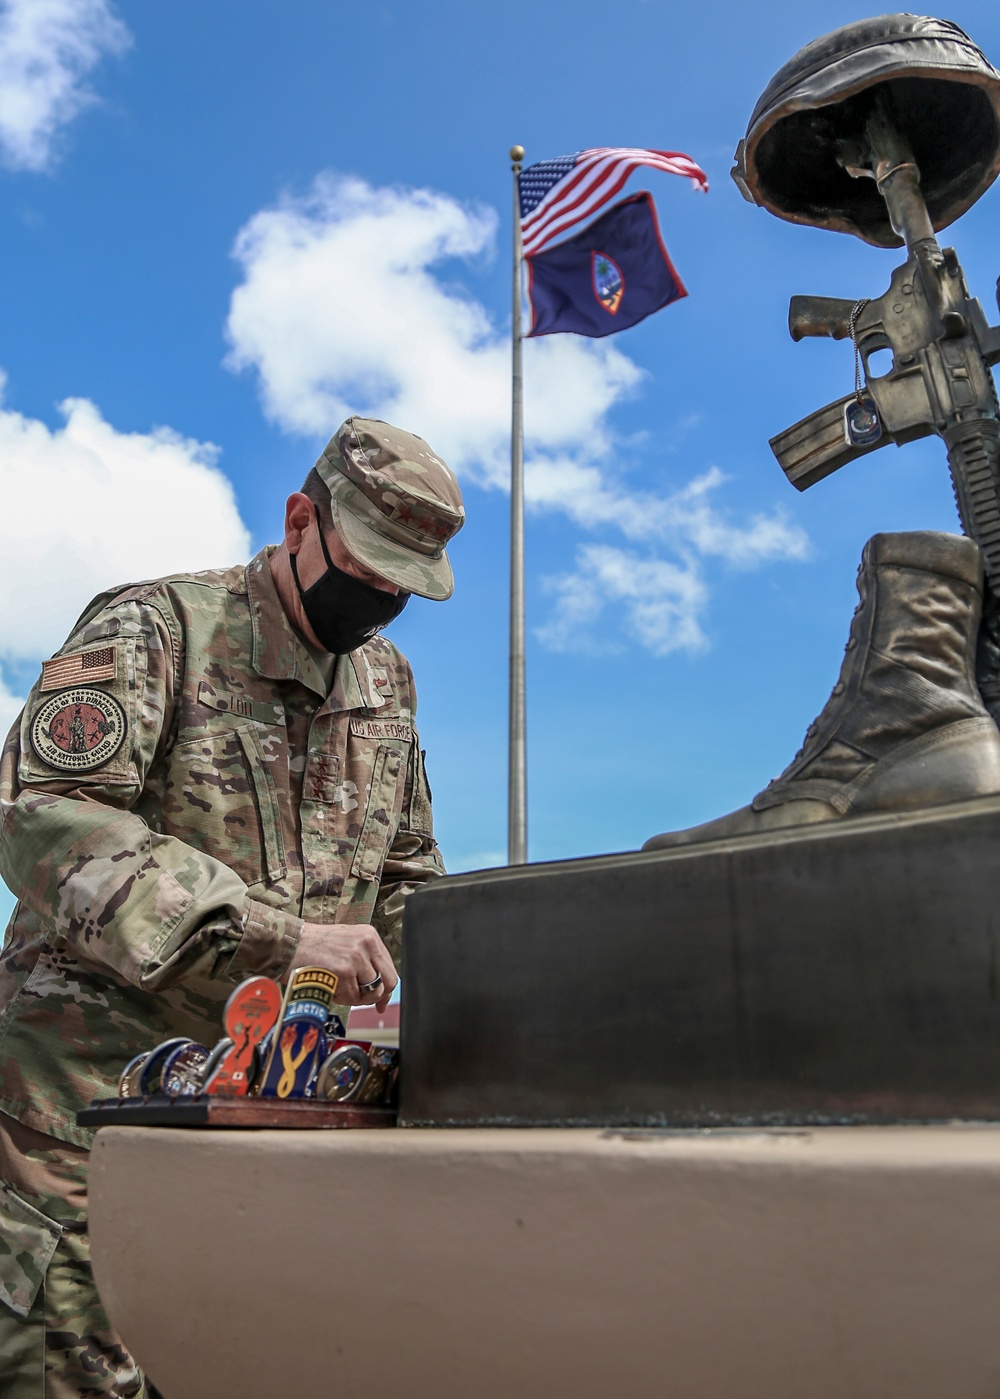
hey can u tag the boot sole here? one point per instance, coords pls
(954, 764)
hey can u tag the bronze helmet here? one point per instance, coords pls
(945, 96)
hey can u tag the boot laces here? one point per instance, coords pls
(837, 690)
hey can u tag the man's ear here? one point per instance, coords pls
(299, 514)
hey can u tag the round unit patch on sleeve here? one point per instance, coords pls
(78, 729)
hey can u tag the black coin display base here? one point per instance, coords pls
(204, 1110)
(839, 973)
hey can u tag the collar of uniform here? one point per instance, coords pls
(347, 692)
(354, 684)
(279, 654)
(277, 651)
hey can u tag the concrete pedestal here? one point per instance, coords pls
(838, 1263)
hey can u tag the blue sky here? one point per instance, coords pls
(225, 226)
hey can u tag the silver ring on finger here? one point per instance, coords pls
(366, 987)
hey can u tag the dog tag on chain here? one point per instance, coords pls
(862, 427)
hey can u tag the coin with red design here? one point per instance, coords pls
(78, 729)
(250, 1013)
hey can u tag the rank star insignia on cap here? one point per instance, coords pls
(395, 504)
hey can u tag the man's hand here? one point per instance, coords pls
(356, 953)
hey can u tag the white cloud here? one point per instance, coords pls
(663, 602)
(87, 507)
(339, 312)
(47, 49)
(591, 494)
(348, 304)
(10, 707)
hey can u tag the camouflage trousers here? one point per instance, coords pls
(56, 1341)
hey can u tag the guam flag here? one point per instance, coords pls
(617, 271)
(607, 278)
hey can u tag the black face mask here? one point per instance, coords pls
(342, 611)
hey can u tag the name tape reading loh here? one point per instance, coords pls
(382, 728)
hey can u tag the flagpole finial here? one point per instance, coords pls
(517, 154)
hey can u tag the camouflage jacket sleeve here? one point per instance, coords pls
(413, 857)
(81, 848)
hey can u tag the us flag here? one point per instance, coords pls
(555, 195)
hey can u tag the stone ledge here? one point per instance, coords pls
(478, 1264)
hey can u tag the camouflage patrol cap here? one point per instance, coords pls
(394, 503)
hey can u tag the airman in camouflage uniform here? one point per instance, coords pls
(197, 791)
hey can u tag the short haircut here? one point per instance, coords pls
(319, 493)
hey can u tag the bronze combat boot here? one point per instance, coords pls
(905, 725)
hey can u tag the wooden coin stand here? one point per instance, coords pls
(204, 1110)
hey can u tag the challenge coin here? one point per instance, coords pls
(299, 1041)
(383, 1072)
(152, 1069)
(181, 1075)
(342, 1075)
(128, 1084)
(215, 1058)
(251, 1012)
(295, 1052)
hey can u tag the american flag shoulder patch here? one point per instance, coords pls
(83, 665)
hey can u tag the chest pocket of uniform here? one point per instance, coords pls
(381, 815)
(267, 804)
(221, 799)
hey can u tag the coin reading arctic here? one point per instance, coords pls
(299, 1042)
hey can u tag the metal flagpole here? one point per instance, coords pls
(517, 748)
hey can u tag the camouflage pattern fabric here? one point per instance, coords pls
(395, 502)
(56, 1341)
(180, 794)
